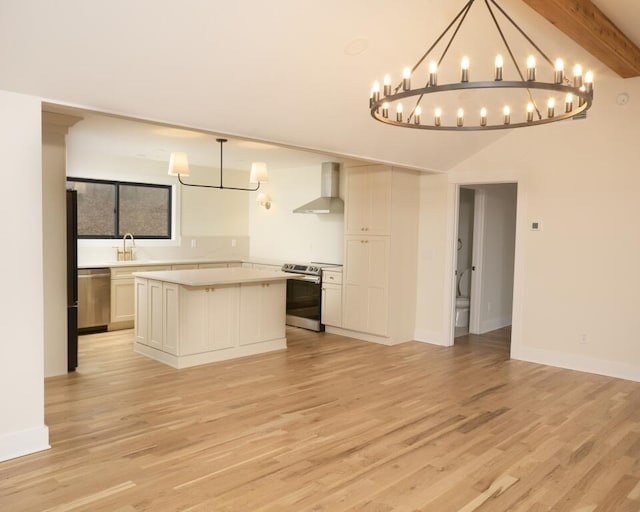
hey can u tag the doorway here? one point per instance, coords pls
(484, 259)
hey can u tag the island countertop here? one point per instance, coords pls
(215, 276)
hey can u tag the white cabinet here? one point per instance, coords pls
(156, 306)
(141, 311)
(122, 288)
(332, 304)
(365, 284)
(332, 298)
(261, 306)
(170, 324)
(209, 318)
(183, 325)
(122, 305)
(123, 294)
(332, 276)
(368, 200)
(380, 253)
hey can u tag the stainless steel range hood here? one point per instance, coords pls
(328, 202)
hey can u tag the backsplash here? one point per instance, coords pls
(102, 253)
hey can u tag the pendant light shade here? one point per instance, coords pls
(258, 173)
(178, 164)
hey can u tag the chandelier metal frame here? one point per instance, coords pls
(579, 89)
(221, 141)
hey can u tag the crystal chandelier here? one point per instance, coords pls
(494, 102)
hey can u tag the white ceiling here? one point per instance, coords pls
(281, 71)
(102, 134)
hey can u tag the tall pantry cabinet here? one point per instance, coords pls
(380, 254)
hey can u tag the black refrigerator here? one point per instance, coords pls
(72, 280)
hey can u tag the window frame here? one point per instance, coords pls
(116, 217)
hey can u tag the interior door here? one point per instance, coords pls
(476, 259)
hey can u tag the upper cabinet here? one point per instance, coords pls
(368, 198)
(382, 206)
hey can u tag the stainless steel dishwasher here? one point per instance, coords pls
(94, 299)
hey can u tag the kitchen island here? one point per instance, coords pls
(186, 318)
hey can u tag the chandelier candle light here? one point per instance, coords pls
(577, 93)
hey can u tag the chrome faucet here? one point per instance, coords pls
(126, 254)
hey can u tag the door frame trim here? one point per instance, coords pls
(477, 260)
(518, 266)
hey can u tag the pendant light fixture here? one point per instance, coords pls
(179, 166)
(516, 99)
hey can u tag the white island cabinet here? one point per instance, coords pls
(190, 317)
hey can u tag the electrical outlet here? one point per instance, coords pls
(583, 339)
(233, 242)
(194, 243)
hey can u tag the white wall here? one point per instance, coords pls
(576, 280)
(54, 232)
(22, 428)
(211, 212)
(498, 253)
(216, 219)
(435, 279)
(281, 235)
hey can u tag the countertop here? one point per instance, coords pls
(144, 263)
(215, 276)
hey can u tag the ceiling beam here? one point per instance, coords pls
(588, 26)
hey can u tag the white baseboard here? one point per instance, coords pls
(431, 337)
(492, 324)
(214, 356)
(577, 362)
(24, 442)
(372, 338)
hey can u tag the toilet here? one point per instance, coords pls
(463, 301)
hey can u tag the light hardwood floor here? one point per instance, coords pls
(332, 424)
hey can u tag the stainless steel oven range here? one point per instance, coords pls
(304, 295)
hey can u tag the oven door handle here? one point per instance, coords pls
(310, 279)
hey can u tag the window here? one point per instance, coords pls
(109, 209)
